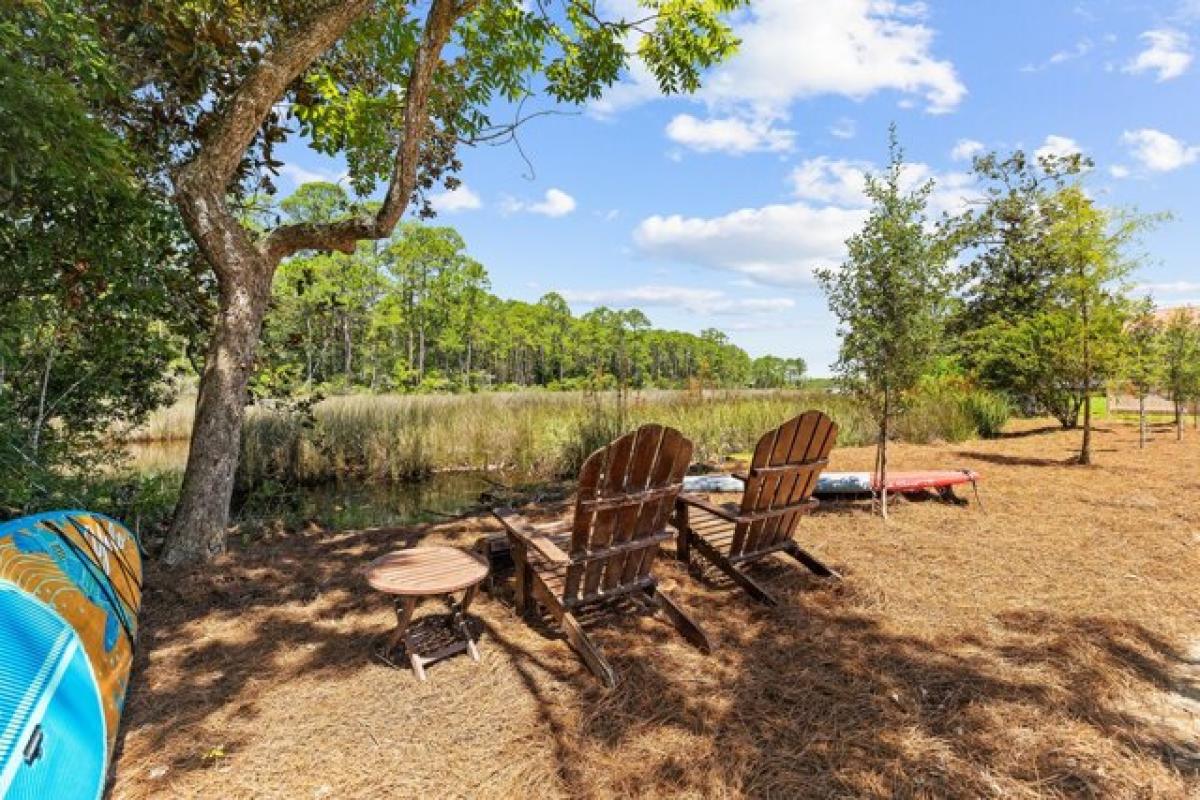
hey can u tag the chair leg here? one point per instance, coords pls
(740, 578)
(587, 650)
(687, 627)
(521, 580)
(750, 586)
(795, 551)
(683, 544)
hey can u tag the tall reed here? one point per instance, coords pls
(390, 438)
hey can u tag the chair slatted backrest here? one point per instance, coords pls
(783, 474)
(626, 493)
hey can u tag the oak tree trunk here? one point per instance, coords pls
(198, 531)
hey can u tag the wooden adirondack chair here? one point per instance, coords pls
(607, 548)
(778, 491)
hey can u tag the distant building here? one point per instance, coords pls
(1165, 314)
(1155, 403)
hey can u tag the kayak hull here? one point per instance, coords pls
(70, 592)
(831, 484)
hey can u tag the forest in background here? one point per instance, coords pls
(414, 313)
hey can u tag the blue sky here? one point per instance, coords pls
(712, 211)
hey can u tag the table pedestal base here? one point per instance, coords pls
(457, 624)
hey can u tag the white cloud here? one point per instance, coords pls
(782, 244)
(966, 149)
(301, 175)
(844, 128)
(793, 49)
(453, 201)
(733, 134)
(1174, 287)
(797, 49)
(843, 183)
(1081, 49)
(1061, 146)
(1119, 171)
(1167, 53)
(555, 203)
(953, 192)
(777, 244)
(1158, 151)
(693, 299)
(831, 181)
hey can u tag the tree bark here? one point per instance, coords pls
(35, 436)
(881, 456)
(470, 375)
(1085, 451)
(1178, 421)
(308, 351)
(1142, 421)
(347, 349)
(198, 531)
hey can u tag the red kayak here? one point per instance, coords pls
(929, 479)
(899, 482)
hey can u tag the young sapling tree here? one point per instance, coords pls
(889, 298)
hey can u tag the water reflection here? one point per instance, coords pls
(347, 504)
(353, 504)
(157, 456)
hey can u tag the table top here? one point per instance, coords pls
(426, 571)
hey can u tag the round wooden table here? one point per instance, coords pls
(420, 572)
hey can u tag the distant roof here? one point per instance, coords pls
(1165, 314)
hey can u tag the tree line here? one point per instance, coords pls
(415, 313)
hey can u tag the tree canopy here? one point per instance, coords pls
(99, 291)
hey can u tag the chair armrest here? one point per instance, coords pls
(803, 508)
(518, 526)
(704, 505)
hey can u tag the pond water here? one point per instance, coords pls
(346, 504)
(352, 504)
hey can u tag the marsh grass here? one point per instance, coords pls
(393, 438)
(168, 424)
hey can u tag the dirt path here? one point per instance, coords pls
(1046, 648)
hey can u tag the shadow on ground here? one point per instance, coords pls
(815, 698)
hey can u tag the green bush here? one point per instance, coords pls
(989, 412)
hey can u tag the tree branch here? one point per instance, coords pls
(344, 235)
(236, 125)
(201, 185)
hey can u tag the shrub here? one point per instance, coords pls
(989, 412)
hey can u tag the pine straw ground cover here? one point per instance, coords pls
(1047, 648)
